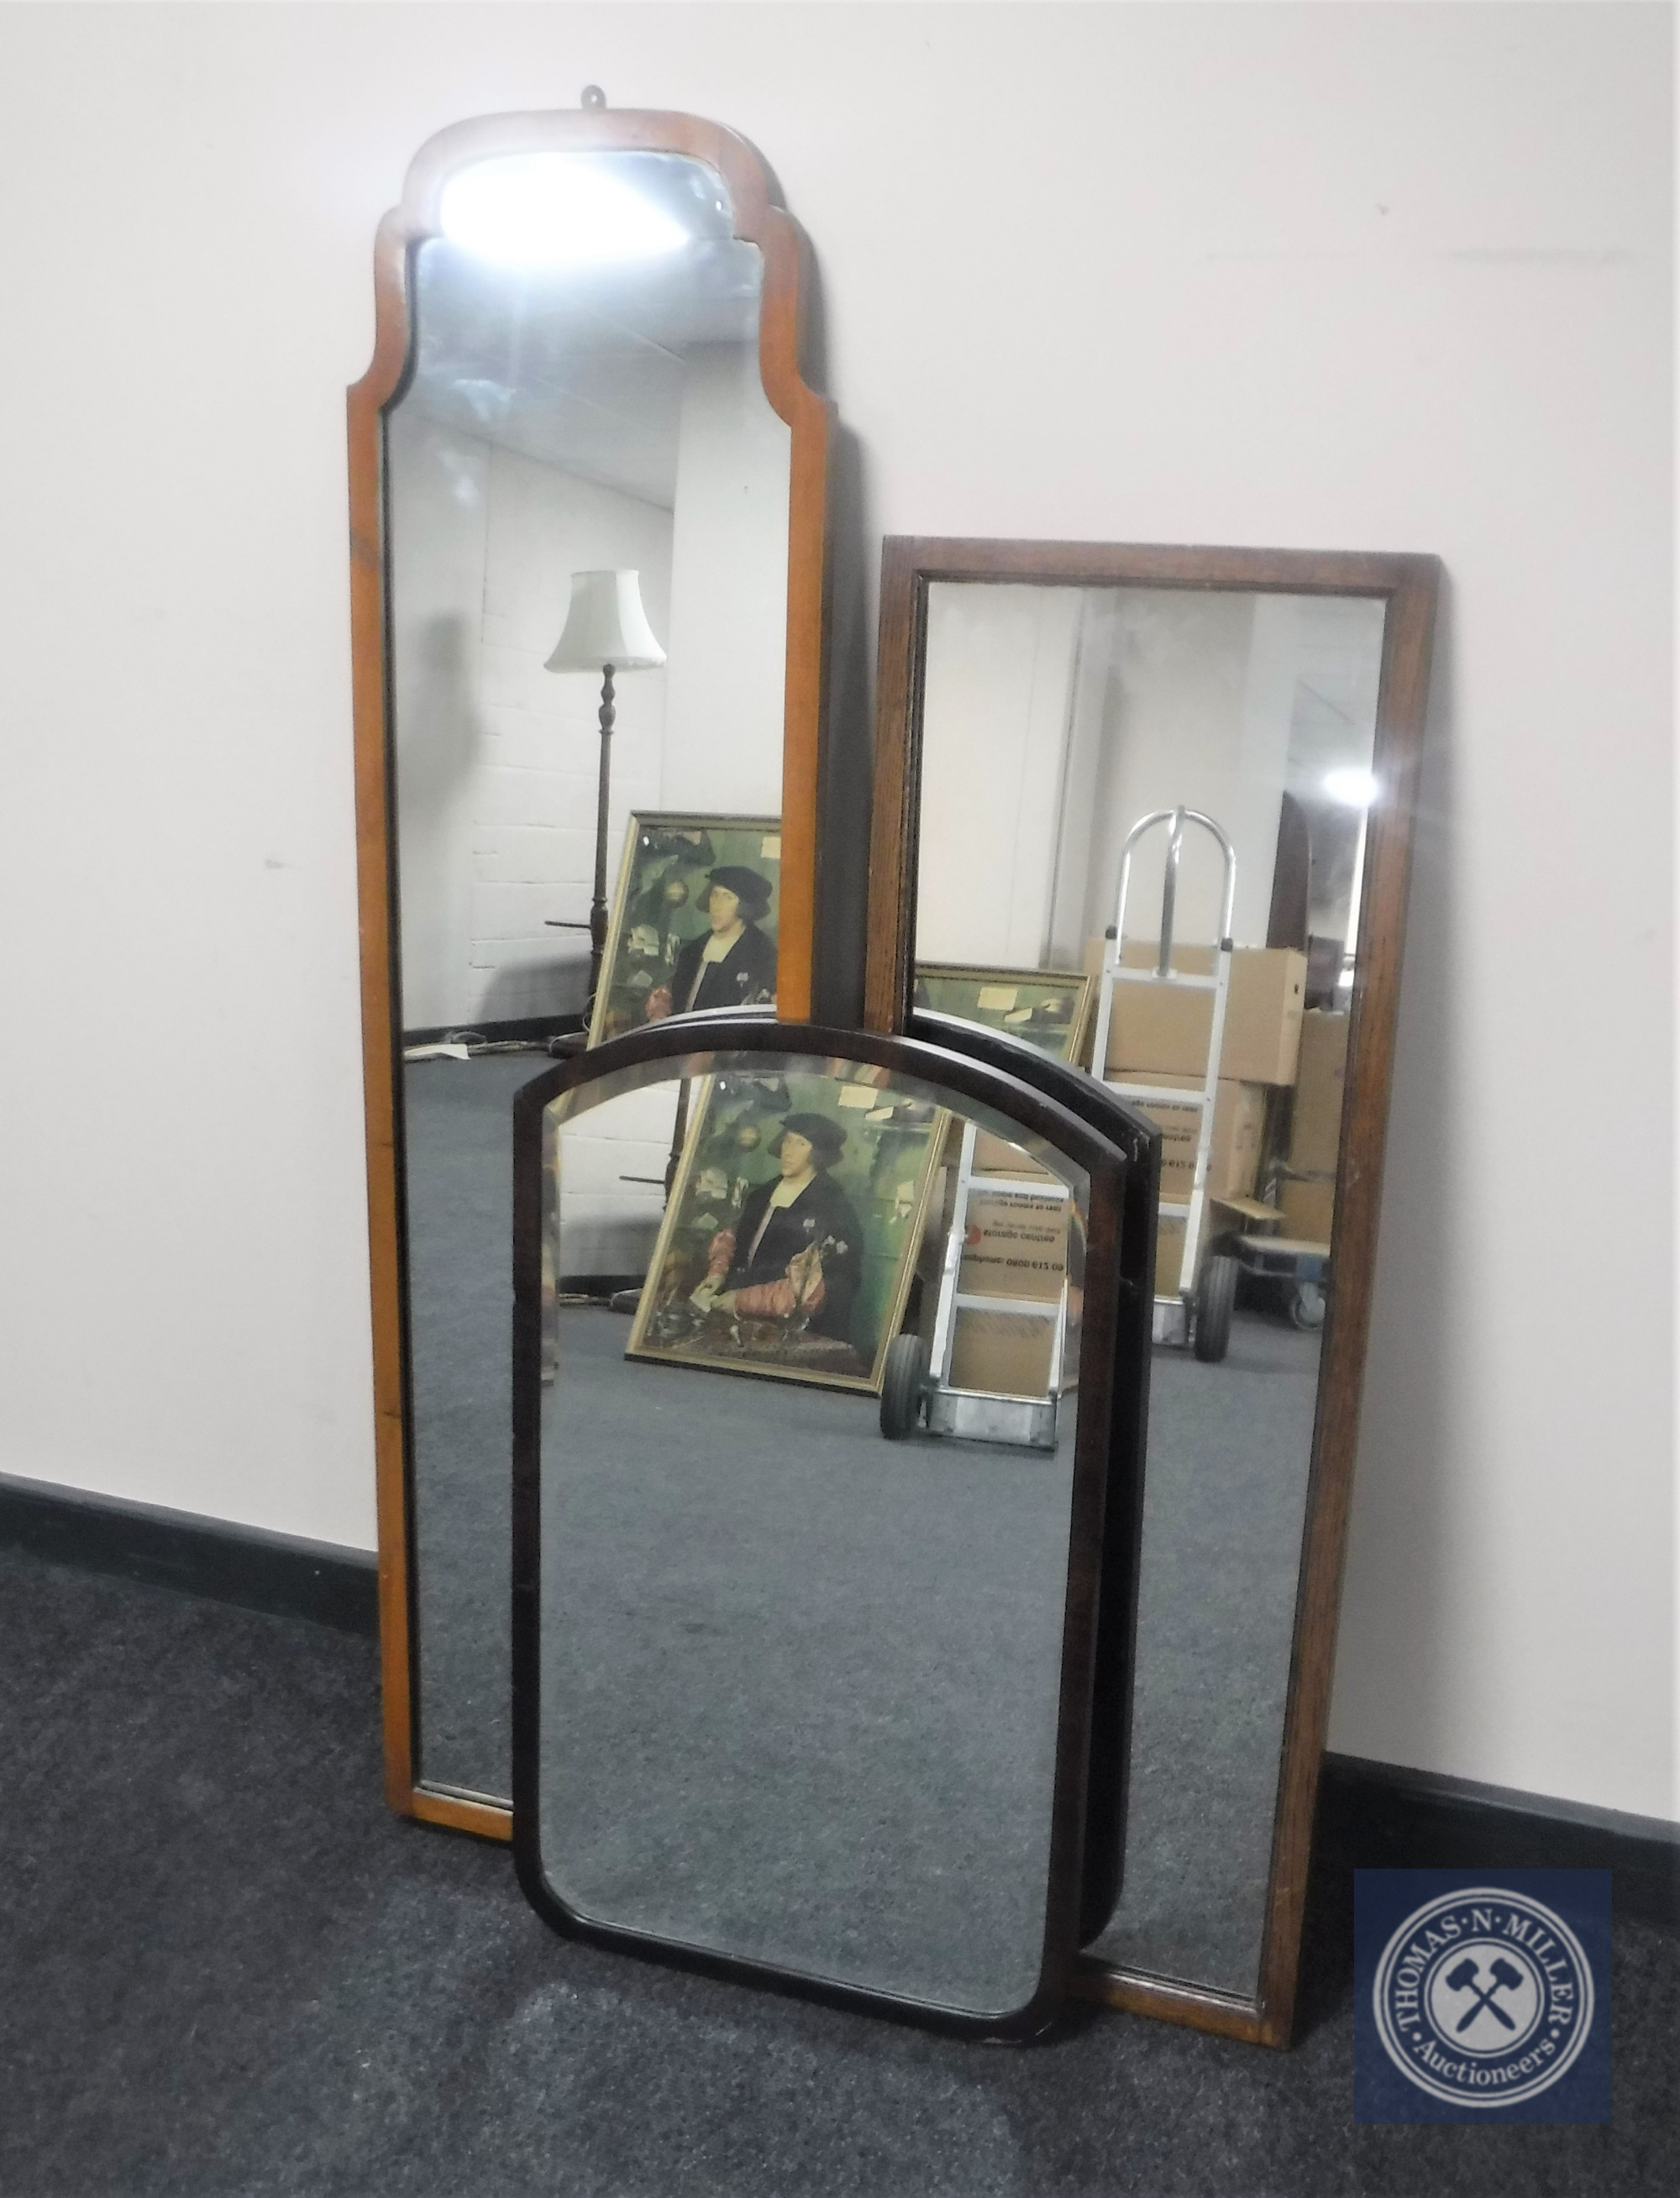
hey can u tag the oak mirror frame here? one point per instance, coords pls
(1252, 1999)
(749, 196)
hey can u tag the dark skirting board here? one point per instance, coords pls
(1374, 1815)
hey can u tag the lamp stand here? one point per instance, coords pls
(598, 905)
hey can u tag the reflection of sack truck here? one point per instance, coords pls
(916, 1387)
(1200, 1312)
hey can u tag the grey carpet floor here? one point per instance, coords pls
(1224, 1495)
(226, 1972)
(459, 1126)
(800, 1684)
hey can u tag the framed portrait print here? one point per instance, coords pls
(789, 1242)
(1048, 1008)
(694, 922)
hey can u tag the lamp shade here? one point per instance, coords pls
(606, 623)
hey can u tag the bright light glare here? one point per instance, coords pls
(547, 210)
(1357, 789)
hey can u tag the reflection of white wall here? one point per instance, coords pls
(729, 591)
(1335, 710)
(1001, 664)
(607, 1225)
(497, 758)
(440, 487)
(1199, 692)
(1054, 718)
(1082, 891)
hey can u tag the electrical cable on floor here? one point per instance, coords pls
(476, 1043)
(470, 1046)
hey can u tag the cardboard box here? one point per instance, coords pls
(1157, 1024)
(1239, 1124)
(1170, 1248)
(1169, 1256)
(1002, 1354)
(1014, 1247)
(1321, 1083)
(1264, 1009)
(1169, 1030)
(1308, 1208)
(993, 1156)
(1221, 1217)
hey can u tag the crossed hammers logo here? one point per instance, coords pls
(1467, 1976)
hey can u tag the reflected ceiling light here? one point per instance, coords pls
(552, 210)
(1357, 789)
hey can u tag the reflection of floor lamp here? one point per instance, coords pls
(606, 631)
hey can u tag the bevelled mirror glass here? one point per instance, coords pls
(587, 485)
(1151, 809)
(810, 1532)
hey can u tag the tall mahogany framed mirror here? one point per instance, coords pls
(1160, 802)
(588, 486)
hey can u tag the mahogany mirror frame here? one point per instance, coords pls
(1408, 584)
(1112, 1147)
(785, 325)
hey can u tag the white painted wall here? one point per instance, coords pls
(1385, 277)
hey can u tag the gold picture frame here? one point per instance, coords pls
(838, 1257)
(959, 988)
(659, 915)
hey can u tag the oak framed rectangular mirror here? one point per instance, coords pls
(1190, 773)
(588, 489)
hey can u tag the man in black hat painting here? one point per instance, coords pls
(733, 963)
(798, 1246)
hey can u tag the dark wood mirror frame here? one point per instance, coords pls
(1118, 1152)
(784, 333)
(1408, 585)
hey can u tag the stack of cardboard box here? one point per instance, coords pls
(1012, 1248)
(1308, 1193)
(1160, 1035)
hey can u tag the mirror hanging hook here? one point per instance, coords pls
(593, 97)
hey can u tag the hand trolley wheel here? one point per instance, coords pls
(903, 1386)
(1216, 1295)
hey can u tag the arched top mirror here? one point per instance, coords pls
(823, 1555)
(588, 484)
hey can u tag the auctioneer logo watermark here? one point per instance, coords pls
(1484, 1995)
